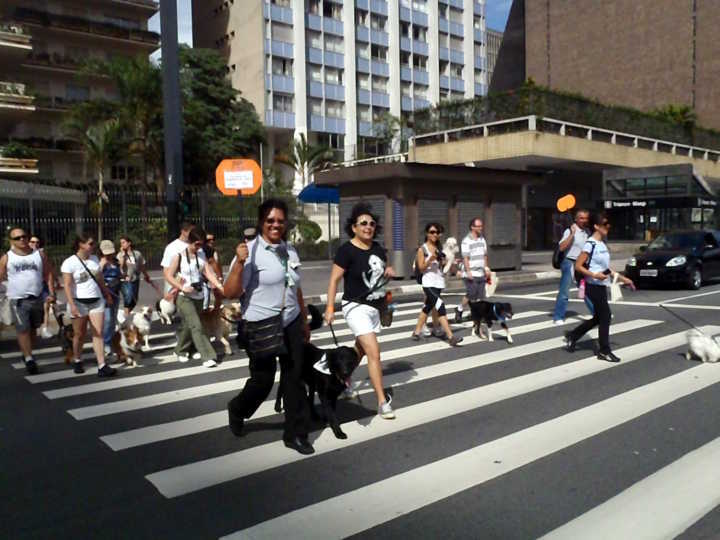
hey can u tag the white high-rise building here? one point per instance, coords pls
(331, 69)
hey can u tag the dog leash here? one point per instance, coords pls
(691, 325)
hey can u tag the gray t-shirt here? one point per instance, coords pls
(264, 279)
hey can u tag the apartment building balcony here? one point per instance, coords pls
(481, 63)
(457, 57)
(445, 82)
(22, 167)
(15, 42)
(421, 103)
(379, 67)
(14, 101)
(379, 6)
(362, 64)
(405, 44)
(365, 129)
(380, 99)
(421, 47)
(379, 37)
(150, 6)
(48, 144)
(444, 53)
(480, 89)
(280, 83)
(279, 48)
(363, 4)
(363, 96)
(327, 124)
(87, 26)
(334, 59)
(443, 24)
(333, 26)
(479, 35)
(455, 3)
(406, 73)
(335, 92)
(477, 8)
(457, 85)
(362, 33)
(405, 14)
(278, 13)
(315, 89)
(54, 103)
(455, 29)
(54, 61)
(313, 22)
(420, 18)
(280, 119)
(315, 55)
(421, 76)
(406, 103)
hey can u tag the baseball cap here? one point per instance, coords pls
(107, 247)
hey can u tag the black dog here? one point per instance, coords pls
(486, 313)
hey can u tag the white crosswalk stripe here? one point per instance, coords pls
(425, 377)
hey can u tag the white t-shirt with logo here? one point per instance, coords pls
(85, 286)
(474, 249)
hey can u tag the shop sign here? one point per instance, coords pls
(625, 204)
(706, 202)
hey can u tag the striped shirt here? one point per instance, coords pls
(476, 250)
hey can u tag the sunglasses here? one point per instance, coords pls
(366, 223)
(210, 240)
(16, 238)
(433, 232)
(33, 241)
(275, 221)
(198, 244)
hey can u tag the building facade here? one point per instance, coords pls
(48, 41)
(639, 53)
(332, 70)
(494, 40)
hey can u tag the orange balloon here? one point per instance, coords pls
(566, 202)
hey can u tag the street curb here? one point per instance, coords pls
(455, 286)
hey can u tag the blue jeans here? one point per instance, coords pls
(110, 321)
(566, 279)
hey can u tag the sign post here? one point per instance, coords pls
(238, 177)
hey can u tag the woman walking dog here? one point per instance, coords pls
(430, 261)
(265, 272)
(361, 262)
(594, 265)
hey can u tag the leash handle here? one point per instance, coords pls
(332, 330)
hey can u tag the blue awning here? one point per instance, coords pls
(312, 193)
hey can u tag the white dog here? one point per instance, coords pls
(451, 250)
(165, 311)
(141, 321)
(701, 346)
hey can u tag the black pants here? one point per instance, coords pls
(432, 295)
(598, 297)
(262, 377)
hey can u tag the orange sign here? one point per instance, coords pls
(566, 203)
(238, 176)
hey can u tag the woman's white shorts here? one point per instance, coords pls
(361, 318)
(86, 309)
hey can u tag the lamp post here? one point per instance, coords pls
(172, 111)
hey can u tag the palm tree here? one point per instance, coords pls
(102, 143)
(306, 159)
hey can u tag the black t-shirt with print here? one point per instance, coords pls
(364, 269)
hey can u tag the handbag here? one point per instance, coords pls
(615, 292)
(491, 285)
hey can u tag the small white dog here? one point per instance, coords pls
(451, 250)
(702, 346)
(165, 311)
(141, 321)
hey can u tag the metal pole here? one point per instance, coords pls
(262, 174)
(124, 210)
(329, 234)
(171, 113)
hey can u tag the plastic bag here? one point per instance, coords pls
(491, 284)
(615, 292)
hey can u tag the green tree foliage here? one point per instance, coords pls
(217, 122)
(306, 159)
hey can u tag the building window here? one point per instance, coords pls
(421, 92)
(419, 33)
(282, 32)
(77, 93)
(334, 44)
(478, 50)
(379, 52)
(404, 59)
(456, 70)
(364, 113)
(332, 10)
(379, 84)
(331, 140)
(477, 23)
(314, 7)
(456, 43)
(282, 3)
(122, 22)
(378, 22)
(333, 76)
(314, 39)
(363, 81)
(479, 76)
(316, 107)
(443, 10)
(282, 66)
(405, 89)
(455, 16)
(362, 17)
(420, 62)
(363, 51)
(282, 103)
(315, 72)
(420, 5)
(404, 29)
(335, 109)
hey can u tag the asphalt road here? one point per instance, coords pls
(491, 440)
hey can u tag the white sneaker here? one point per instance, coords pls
(558, 322)
(385, 410)
(182, 358)
(349, 393)
(197, 356)
(426, 332)
(210, 363)
(438, 333)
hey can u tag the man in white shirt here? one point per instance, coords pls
(175, 247)
(25, 270)
(572, 242)
(475, 261)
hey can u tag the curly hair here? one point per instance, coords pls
(361, 209)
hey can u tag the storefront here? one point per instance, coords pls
(642, 202)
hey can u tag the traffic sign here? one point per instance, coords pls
(238, 177)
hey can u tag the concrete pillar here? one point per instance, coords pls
(453, 219)
(350, 81)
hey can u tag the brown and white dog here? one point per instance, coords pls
(126, 344)
(218, 323)
(142, 321)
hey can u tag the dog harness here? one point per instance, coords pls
(499, 318)
(322, 365)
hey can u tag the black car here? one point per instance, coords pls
(684, 257)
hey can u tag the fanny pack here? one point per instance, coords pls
(87, 301)
(262, 338)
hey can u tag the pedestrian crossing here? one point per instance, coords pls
(467, 405)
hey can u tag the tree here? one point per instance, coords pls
(305, 159)
(217, 122)
(102, 143)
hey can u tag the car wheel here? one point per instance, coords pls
(695, 279)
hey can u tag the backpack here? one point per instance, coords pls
(417, 274)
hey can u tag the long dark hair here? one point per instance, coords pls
(361, 209)
(438, 226)
(81, 238)
(597, 218)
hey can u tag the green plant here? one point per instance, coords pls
(305, 159)
(16, 150)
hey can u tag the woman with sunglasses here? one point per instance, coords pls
(86, 296)
(266, 273)
(362, 264)
(433, 282)
(186, 273)
(594, 265)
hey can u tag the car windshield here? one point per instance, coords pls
(676, 241)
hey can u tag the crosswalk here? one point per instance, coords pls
(468, 419)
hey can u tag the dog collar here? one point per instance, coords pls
(322, 365)
(501, 319)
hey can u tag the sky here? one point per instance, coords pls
(496, 11)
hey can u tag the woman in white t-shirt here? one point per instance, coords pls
(594, 264)
(433, 282)
(187, 272)
(86, 296)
